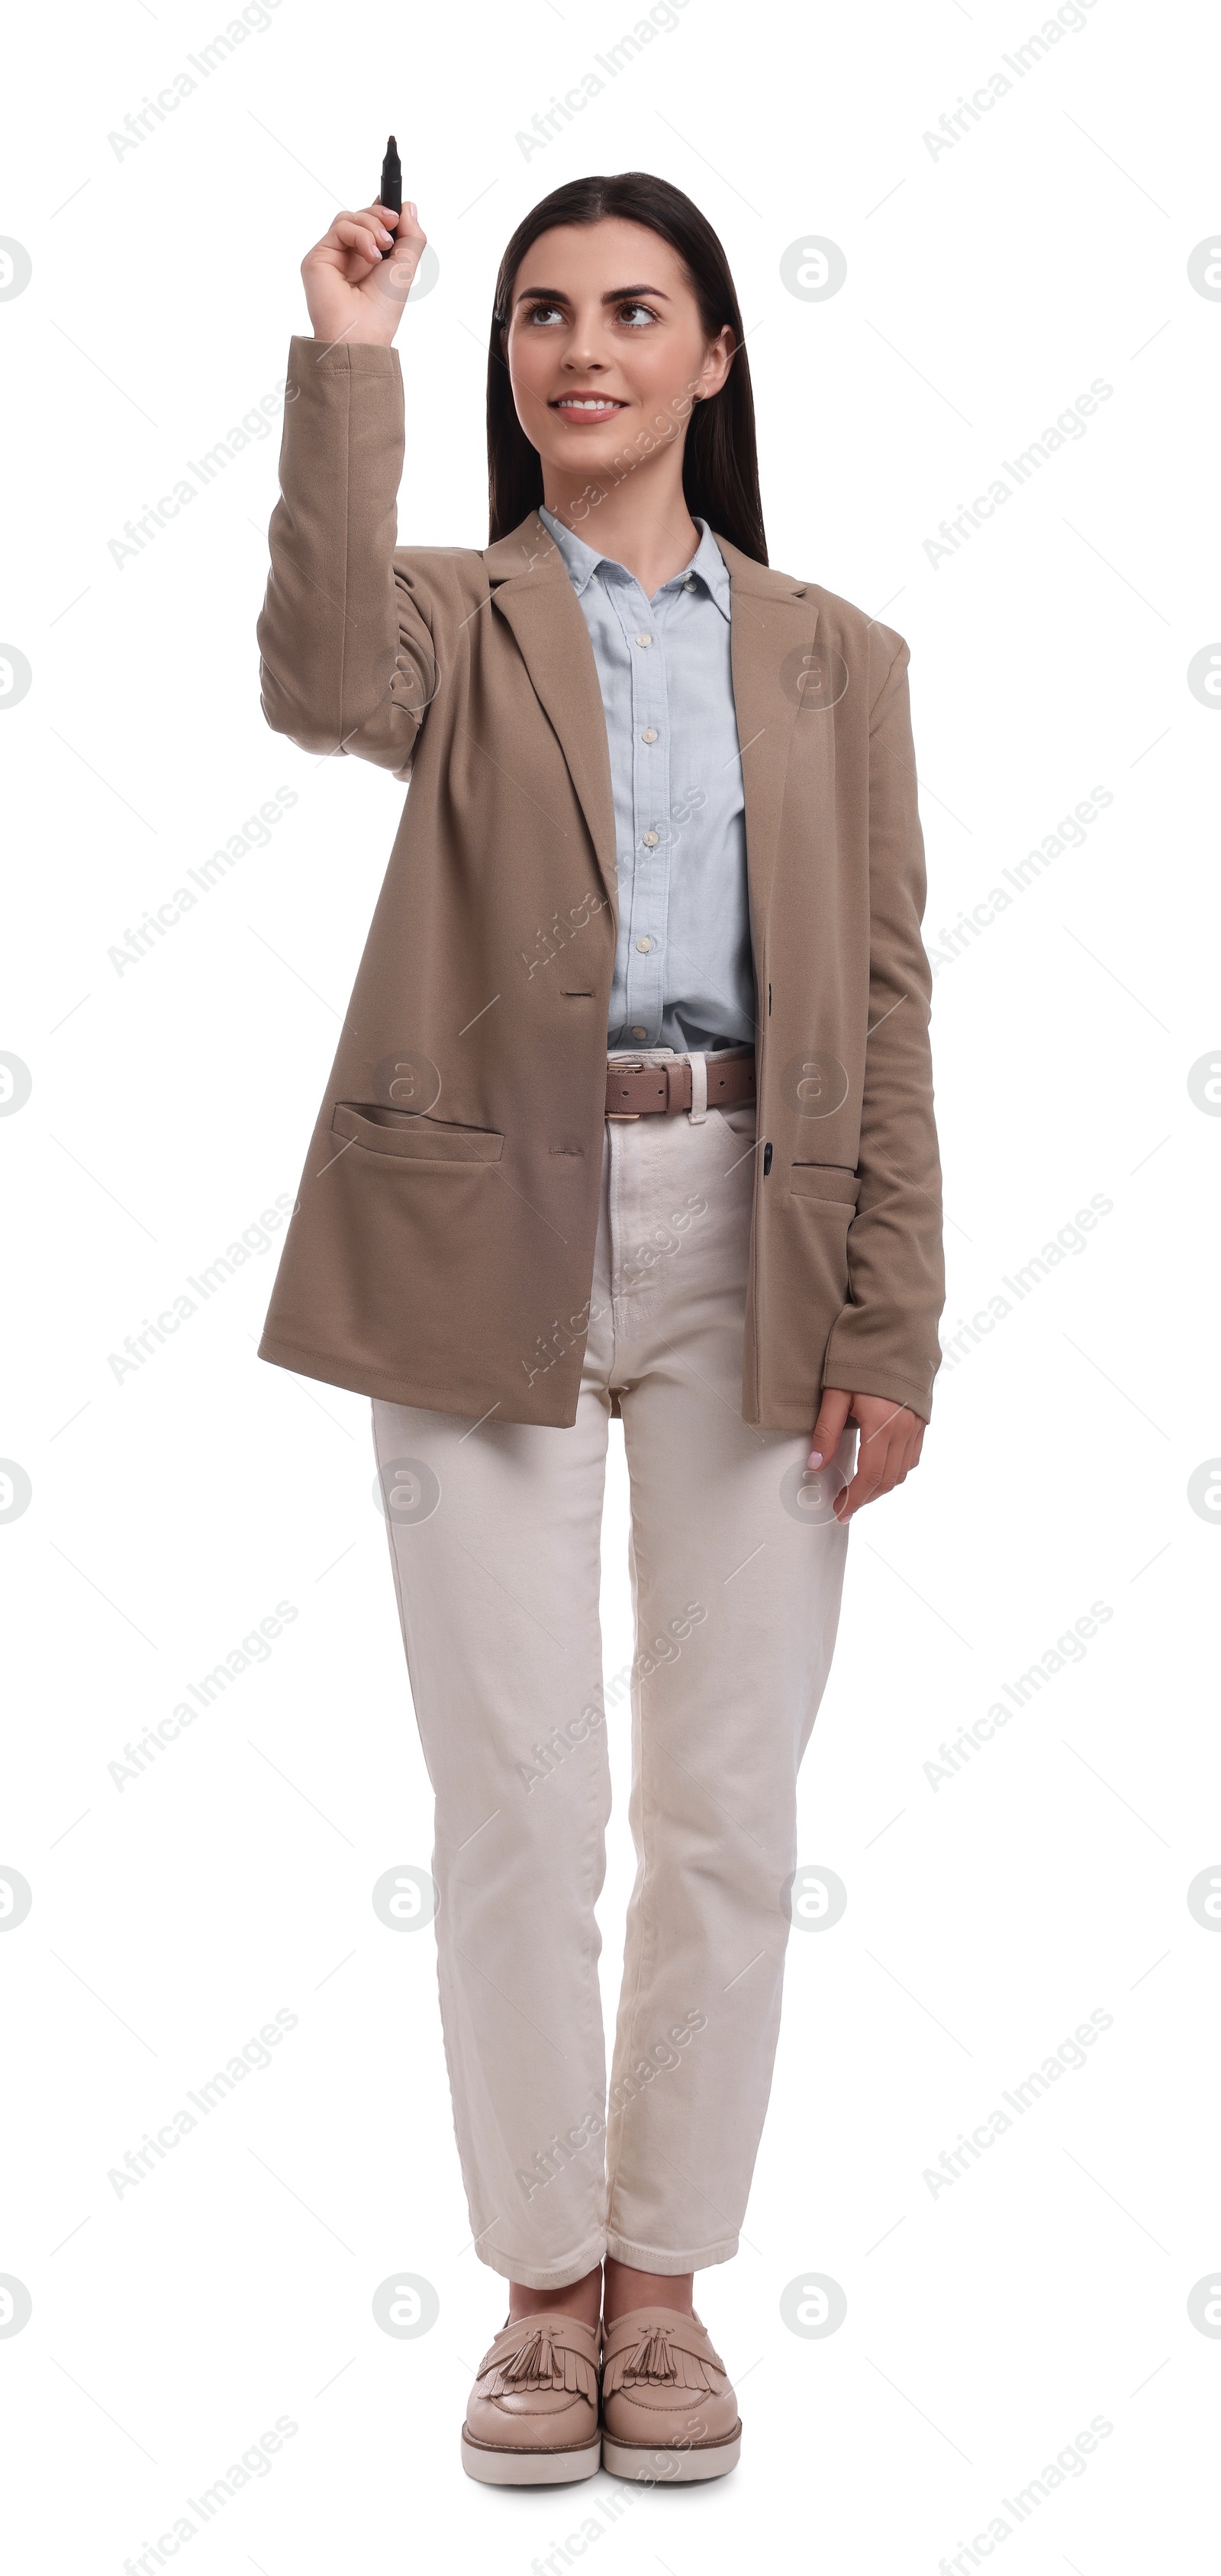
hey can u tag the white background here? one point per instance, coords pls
(989, 2323)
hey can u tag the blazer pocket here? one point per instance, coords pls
(413, 1137)
(826, 1181)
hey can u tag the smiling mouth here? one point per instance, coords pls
(587, 404)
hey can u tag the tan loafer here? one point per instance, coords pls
(668, 2408)
(532, 2418)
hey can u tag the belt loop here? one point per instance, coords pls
(698, 1112)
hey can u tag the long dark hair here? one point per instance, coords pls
(720, 462)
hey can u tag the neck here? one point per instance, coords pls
(638, 516)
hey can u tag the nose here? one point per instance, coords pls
(584, 354)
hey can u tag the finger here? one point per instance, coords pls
(348, 215)
(398, 272)
(353, 232)
(388, 220)
(901, 1455)
(869, 1481)
(879, 1475)
(365, 233)
(912, 1446)
(883, 1430)
(403, 221)
(407, 249)
(828, 1430)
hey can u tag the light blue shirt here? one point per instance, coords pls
(684, 975)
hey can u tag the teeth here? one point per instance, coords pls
(579, 402)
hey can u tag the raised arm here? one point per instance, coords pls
(346, 649)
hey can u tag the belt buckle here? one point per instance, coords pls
(625, 1117)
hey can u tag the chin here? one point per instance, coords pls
(590, 450)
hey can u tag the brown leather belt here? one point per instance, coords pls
(667, 1087)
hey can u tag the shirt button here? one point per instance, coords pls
(649, 734)
(644, 945)
(640, 1033)
(689, 583)
(651, 840)
(644, 639)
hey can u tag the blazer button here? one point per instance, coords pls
(767, 1160)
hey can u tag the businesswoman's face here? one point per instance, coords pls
(605, 347)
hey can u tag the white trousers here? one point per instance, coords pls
(737, 1567)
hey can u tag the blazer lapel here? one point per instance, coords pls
(532, 591)
(773, 626)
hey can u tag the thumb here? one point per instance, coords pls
(829, 1428)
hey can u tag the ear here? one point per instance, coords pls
(718, 359)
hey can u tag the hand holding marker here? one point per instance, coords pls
(358, 277)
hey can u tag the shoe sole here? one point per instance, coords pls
(496, 2466)
(659, 2465)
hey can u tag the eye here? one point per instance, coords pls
(626, 312)
(540, 312)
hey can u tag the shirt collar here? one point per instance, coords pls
(582, 561)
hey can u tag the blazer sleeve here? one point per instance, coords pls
(885, 1340)
(347, 661)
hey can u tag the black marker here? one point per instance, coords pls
(390, 192)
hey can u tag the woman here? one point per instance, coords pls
(631, 1115)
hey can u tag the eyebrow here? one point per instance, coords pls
(556, 295)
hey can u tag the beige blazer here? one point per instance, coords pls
(441, 1249)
